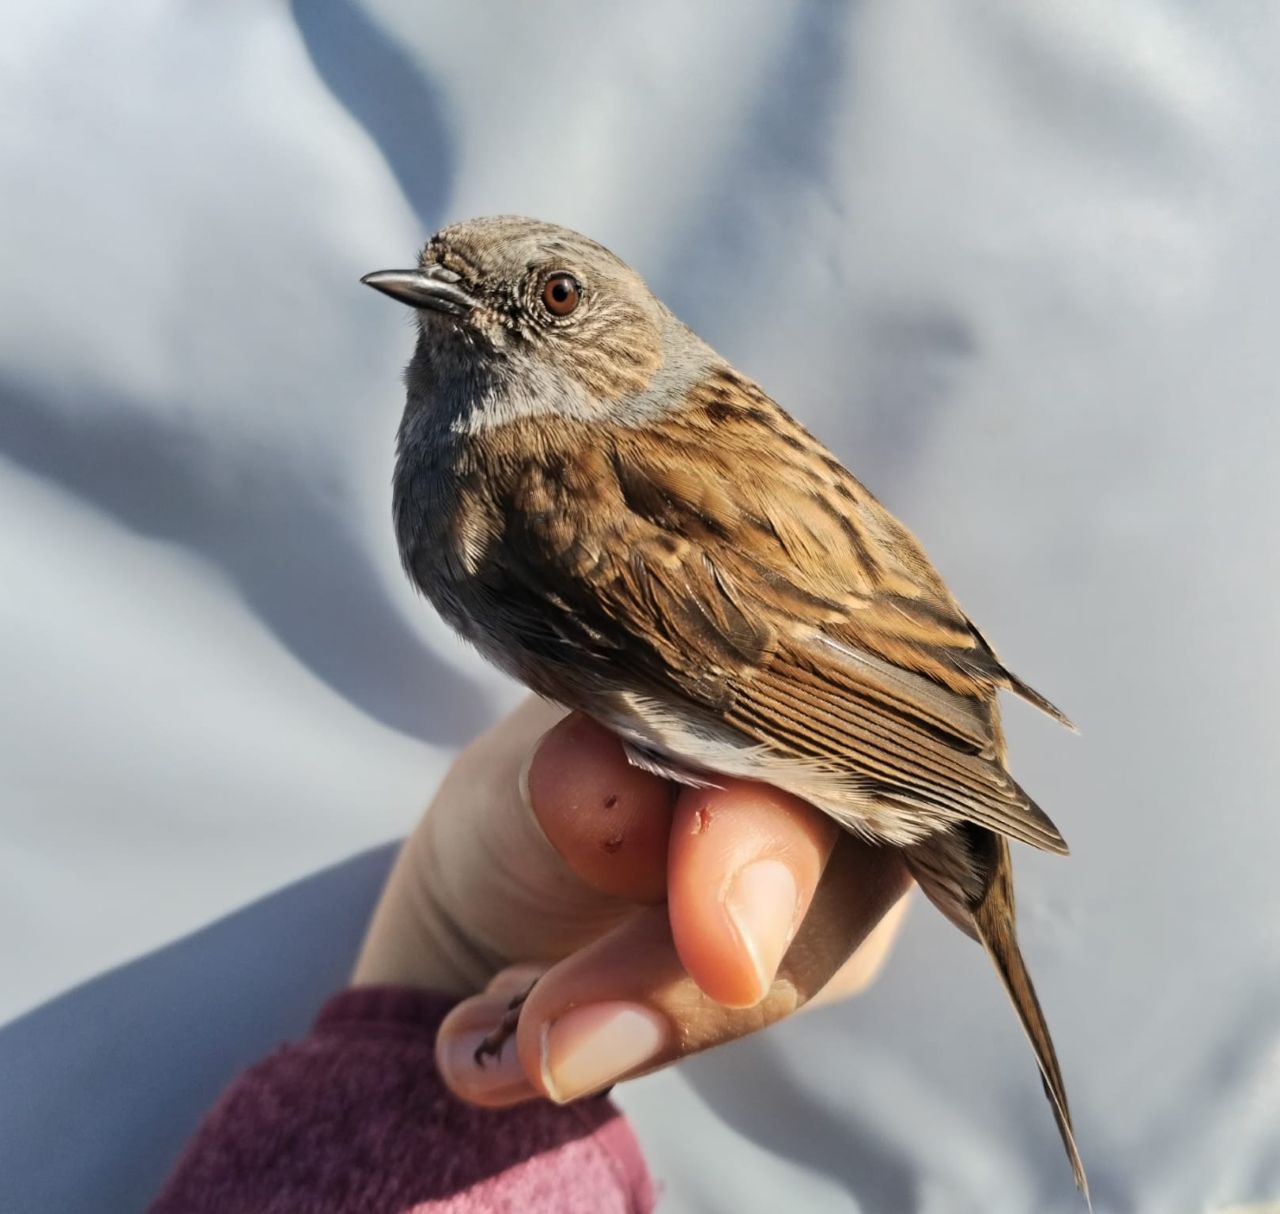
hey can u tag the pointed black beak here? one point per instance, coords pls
(429, 287)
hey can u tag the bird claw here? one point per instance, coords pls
(492, 1043)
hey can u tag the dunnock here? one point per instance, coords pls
(615, 516)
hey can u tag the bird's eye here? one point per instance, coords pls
(561, 294)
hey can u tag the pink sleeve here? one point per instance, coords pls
(355, 1118)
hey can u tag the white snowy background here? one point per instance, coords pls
(1018, 262)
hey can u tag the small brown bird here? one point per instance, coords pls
(633, 529)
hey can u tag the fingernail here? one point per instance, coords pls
(522, 776)
(762, 904)
(591, 1047)
(496, 1076)
(522, 780)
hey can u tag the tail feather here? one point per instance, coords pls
(994, 922)
(969, 877)
(1033, 697)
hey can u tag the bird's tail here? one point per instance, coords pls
(968, 875)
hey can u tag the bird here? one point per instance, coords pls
(618, 518)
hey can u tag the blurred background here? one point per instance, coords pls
(1016, 263)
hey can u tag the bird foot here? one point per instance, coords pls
(491, 1045)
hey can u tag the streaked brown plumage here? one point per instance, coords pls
(632, 528)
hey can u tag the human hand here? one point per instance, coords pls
(659, 921)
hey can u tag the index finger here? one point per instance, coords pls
(743, 863)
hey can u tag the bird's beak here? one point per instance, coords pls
(429, 287)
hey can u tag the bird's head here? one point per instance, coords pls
(520, 317)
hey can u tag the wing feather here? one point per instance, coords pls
(788, 607)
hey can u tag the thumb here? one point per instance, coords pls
(608, 821)
(539, 844)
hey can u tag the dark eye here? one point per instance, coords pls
(561, 294)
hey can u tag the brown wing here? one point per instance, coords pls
(776, 594)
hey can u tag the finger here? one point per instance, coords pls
(743, 864)
(624, 1005)
(514, 980)
(507, 865)
(608, 820)
(868, 959)
(498, 1080)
